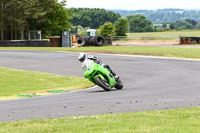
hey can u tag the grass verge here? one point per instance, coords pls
(166, 121)
(15, 82)
(153, 51)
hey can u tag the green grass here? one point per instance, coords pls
(167, 35)
(190, 33)
(14, 82)
(154, 51)
(166, 121)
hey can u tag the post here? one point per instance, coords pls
(29, 37)
(40, 33)
(179, 39)
(34, 34)
(110, 40)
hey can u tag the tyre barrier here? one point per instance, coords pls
(91, 40)
(25, 43)
(87, 39)
(80, 41)
(97, 41)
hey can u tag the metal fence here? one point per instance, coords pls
(34, 35)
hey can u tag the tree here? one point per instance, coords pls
(172, 26)
(139, 23)
(92, 18)
(191, 21)
(163, 15)
(198, 25)
(15, 14)
(164, 26)
(183, 25)
(5, 17)
(82, 31)
(55, 21)
(19, 16)
(2, 19)
(27, 10)
(107, 29)
(121, 27)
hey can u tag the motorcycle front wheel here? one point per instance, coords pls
(119, 84)
(103, 83)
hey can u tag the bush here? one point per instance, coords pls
(198, 26)
(121, 27)
(183, 25)
(107, 30)
(82, 31)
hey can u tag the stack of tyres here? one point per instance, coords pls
(97, 41)
(87, 38)
(90, 40)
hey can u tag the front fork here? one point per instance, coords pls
(111, 81)
(99, 75)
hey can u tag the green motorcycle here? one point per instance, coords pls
(100, 76)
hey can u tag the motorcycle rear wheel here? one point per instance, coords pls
(103, 84)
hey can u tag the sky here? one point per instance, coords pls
(134, 4)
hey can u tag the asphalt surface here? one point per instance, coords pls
(149, 84)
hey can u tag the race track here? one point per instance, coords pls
(149, 84)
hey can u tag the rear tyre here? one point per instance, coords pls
(119, 84)
(104, 84)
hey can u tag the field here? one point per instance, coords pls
(154, 38)
(194, 33)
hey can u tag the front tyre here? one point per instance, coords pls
(119, 84)
(104, 84)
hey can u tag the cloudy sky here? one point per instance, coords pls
(134, 4)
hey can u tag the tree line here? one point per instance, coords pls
(109, 23)
(161, 16)
(86, 18)
(17, 17)
(185, 24)
(92, 18)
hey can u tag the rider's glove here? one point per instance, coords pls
(95, 59)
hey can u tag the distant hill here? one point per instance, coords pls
(161, 16)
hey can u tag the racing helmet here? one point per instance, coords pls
(82, 57)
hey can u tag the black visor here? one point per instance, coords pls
(83, 58)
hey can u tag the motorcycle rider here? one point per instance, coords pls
(83, 56)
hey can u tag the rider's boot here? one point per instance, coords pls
(111, 71)
(114, 74)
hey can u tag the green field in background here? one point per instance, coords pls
(189, 33)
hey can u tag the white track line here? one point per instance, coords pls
(82, 89)
(137, 56)
(123, 55)
(151, 57)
